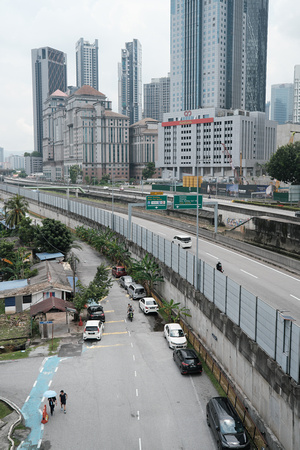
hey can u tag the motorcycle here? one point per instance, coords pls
(219, 267)
(130, 315)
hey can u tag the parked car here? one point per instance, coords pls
(136, 291)
(93, 330)
(118, 271)
(187, 361)
(175, 336)
(226, 426)
(183, 240)
(125, 281)
(95, 312)
(148, 305)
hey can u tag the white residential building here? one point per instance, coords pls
(296, 115)
(87, 63)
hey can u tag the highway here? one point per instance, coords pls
(276, 286)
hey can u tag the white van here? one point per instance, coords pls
(136, 291)
(93, 330)
(183, 240)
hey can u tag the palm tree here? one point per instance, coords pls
(147, 272)
(174, 308)
(15, 210)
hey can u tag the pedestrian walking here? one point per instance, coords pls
(63, 400)
(52, 404)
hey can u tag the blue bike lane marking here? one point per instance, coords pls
(33, 407)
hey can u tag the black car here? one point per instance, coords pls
(95, 312)
(226, 425)
(187, 360)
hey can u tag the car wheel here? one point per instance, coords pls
(207, 420)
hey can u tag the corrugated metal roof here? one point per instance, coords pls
(48, 256)
(50, 303)
(14, 284)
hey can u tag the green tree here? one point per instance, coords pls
(147, 272)
(26, 231)
(174, 310)
(105, 179)
(22, 174)
(284, 165)
(15, 210)
(74, 172)
(149, 170)
(87, 179)
(53, 237)
(20, 267)
(102, 279)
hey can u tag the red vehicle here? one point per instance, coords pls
(118, 271)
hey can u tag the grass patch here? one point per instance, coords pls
(15, 355)
(4, 410)
(53, 349)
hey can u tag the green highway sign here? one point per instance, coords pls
(187, 202)
(156, 202)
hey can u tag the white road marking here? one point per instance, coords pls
(137, 392)
(133, 357)
(128, 331)
(50, 382)
(39, 443)
(138, 415)
(135, 373)
(56, 369)
(34, 384)
(27, 398)
(291, 295)
(42, 399)
(248, 273)
(131, 344)
(140, 444)
(209, 254)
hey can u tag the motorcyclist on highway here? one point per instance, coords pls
(219, 267)
(129, 308)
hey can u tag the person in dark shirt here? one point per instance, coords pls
(52, 404)
(63, 400)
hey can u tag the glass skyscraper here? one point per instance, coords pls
(49, 73)
(282, 102)
(87, 64)
(218, 54)
(130, 81)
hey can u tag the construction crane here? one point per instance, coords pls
(235, 172)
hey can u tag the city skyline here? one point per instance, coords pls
(24, 23)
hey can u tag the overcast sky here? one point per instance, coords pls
(28, 24)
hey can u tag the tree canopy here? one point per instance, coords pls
(284, 165)
(53, 237)
(149, 170)
(15, 210)
(74, 172)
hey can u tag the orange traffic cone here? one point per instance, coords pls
(45, 417)
(80, 322)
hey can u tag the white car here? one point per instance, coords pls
(93, 330)
(148, 305)
(175, 336)
(125, 281)
(183, 240)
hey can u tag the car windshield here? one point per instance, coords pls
(185, 240)
(229, 426)
(91, 328)
(176, 333)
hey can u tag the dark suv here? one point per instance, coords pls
(95, 312)
(226, 425)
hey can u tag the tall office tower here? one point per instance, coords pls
(130, 81)
(1, 154)
(282, 102)
(157, 98)
(87, 63)
(218, 54)
(296, 115)
(49, 73)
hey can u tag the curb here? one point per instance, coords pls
(18, 411)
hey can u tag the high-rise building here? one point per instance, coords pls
(87, 63)
(130, 81)
(218, 54)
(1, 154)
(282, 102)
(49, 73)
(296, 115)
(157, 98)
